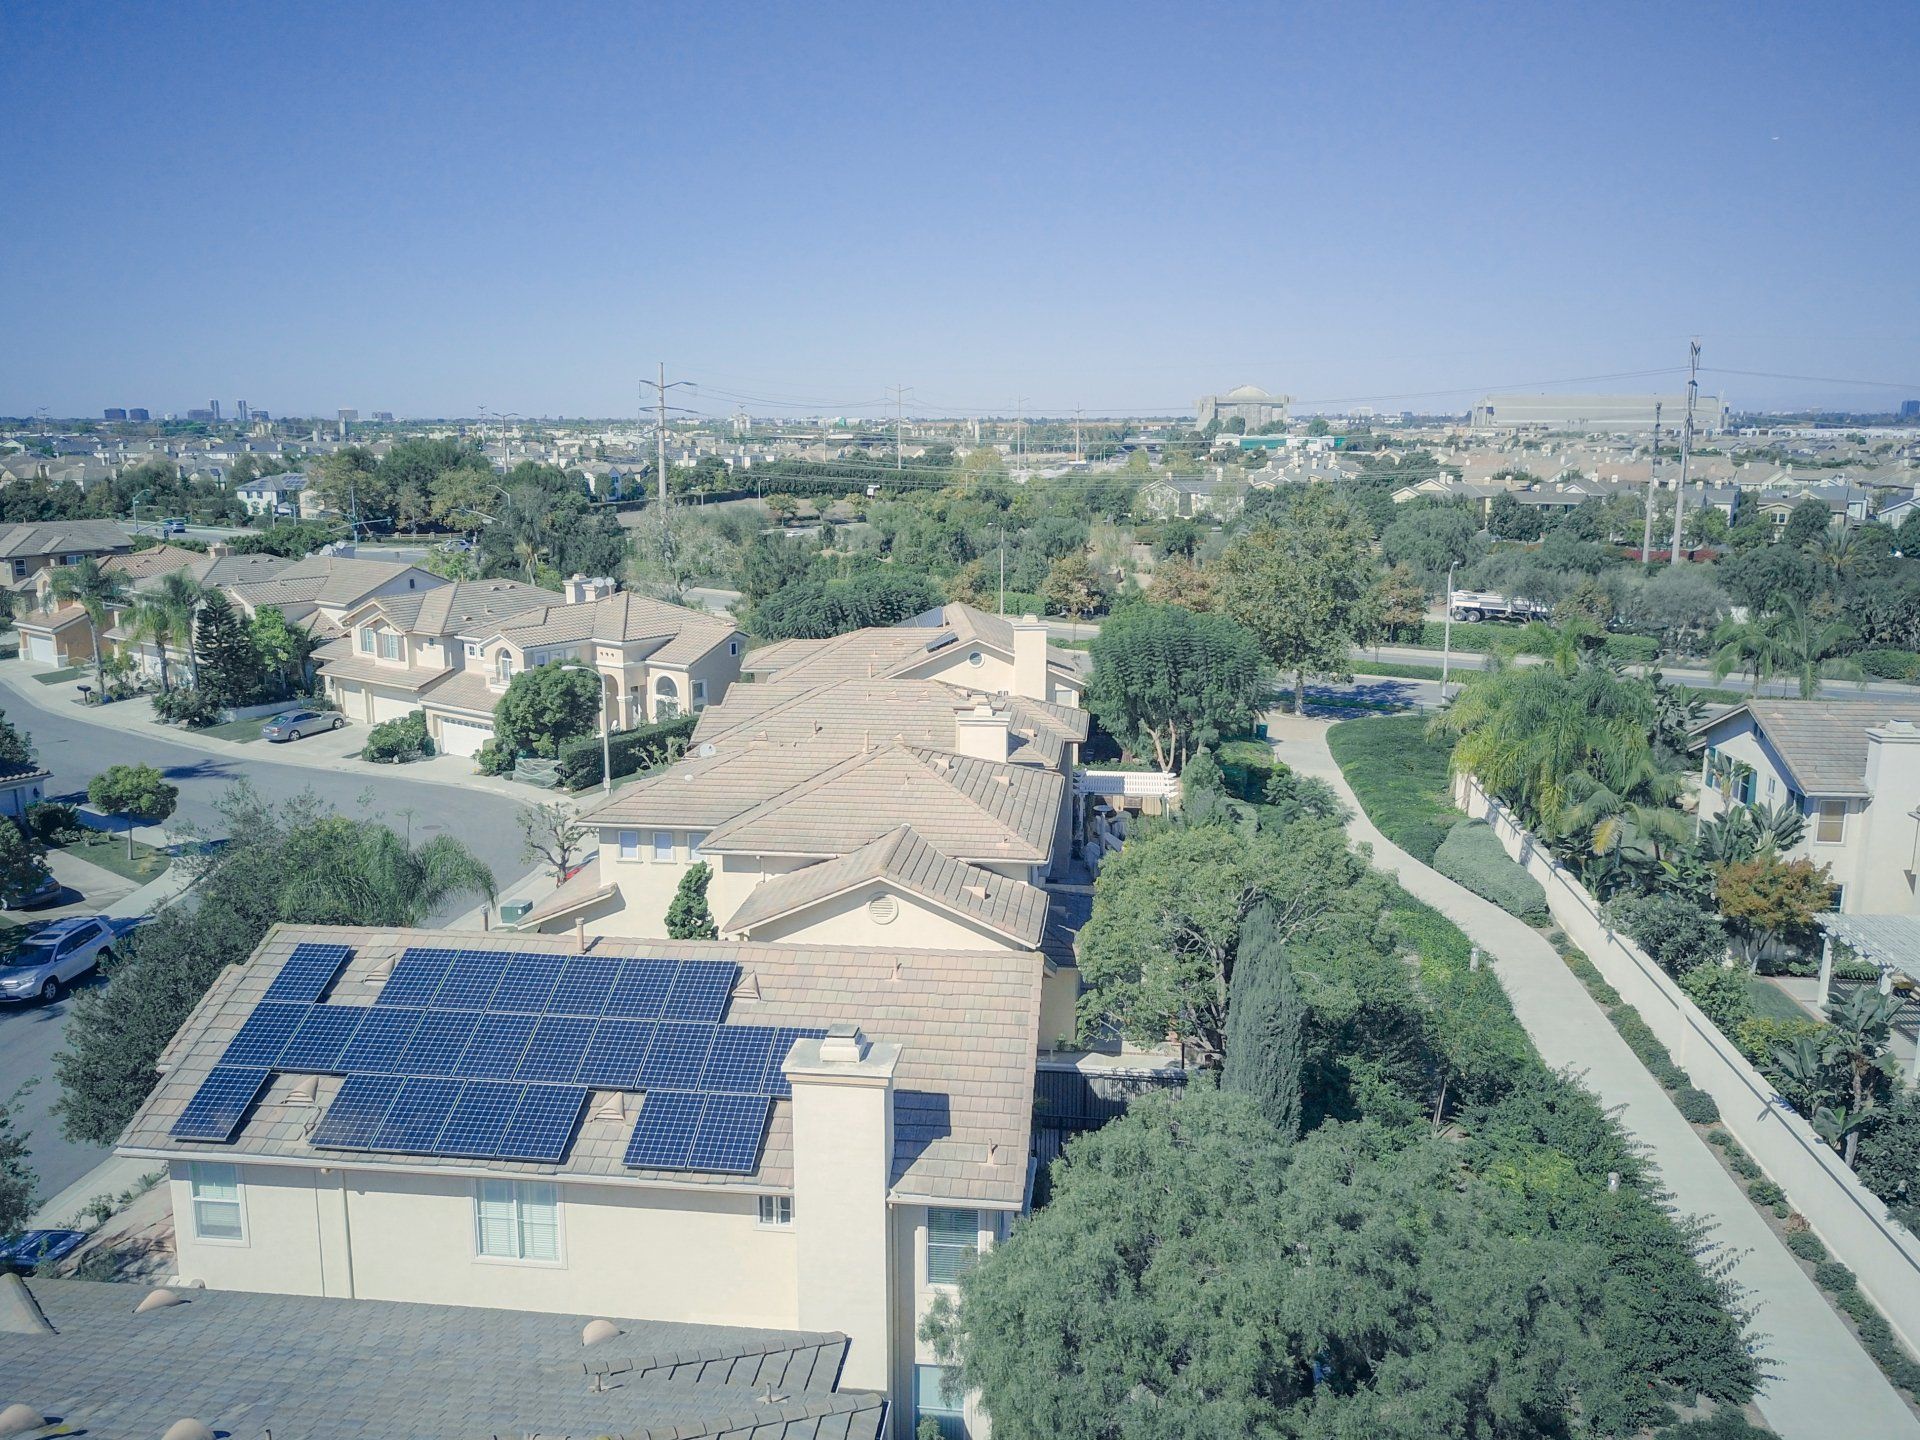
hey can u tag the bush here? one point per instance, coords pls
(1719, 1137)
(1889, 664)
(630, 751)
(1473, 856)
(1631, 649)
(493, 757)
(1676, 933)
(1765, 1192)
(1743, 1165)
(1760, 1037)
(1832, 1275)
(52, 823)
(1697, 1107)
(1721, 993)
(398, 741)
(1807, 1246)
(1400, 776)
(186, 706)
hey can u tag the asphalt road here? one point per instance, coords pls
(75, 750)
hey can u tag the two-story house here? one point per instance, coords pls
(51, 632)
(1850, 767)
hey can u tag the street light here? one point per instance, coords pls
(606, 727)
(1446, 645)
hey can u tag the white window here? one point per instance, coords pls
(935, 1400)
(663, 845)
(699, 694)
(953, 1243)
(1832, 828)
(216, 1201)
(473, 651)
(503, 666)
(389, 645)
(694, 837)
(366, 640)
(516, 1220)
(629, 844)
(776, 1210)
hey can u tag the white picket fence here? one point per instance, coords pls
(1849, 1218)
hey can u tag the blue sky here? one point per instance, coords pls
(429, 208)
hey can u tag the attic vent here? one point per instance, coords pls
(883, 909)
(748, 988)
(610, 1106)
(978, 892)
(304, 1092)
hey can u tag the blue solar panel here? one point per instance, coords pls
(497, 1045)
(377, 1044)
(529, 984)
(584, 986)
(664, 1132)
(415, 979)
(221, 1102)
(737, 1063)
(701, 990)
(778, 1085)
(614, 1053)
(478, 1120)
(260, 1040)
(729, 1134)
(436, 1047)
(307, 973)
(554, 1053)
(676, 1057)
(641, 989)
(414, 1119)
(354, 1117)
(316, 1045)
(543, 1126)
(470, 980)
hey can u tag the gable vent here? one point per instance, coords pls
(883, 909)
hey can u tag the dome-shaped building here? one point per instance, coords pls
(1245, 402)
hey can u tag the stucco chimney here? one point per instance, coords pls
(981, 733)
(219, 549)
(1030, 679)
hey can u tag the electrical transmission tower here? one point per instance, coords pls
(1686, 444)
(660, 388)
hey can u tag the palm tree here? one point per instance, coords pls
(1810, 649)
(182, 596)
(1856, 1044)
(1745, 645)
(98, 592)
(1838, 548)
(353, 870)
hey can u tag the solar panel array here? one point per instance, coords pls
(491, 1054)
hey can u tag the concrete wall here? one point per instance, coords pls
(1847, 1217)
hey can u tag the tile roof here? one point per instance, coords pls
(1010, 907)
(465, 607)
(146, 564)
(62, 537)
(877, 652)
(1823, 743)
(334, 580)
(337, 1369)
(624, 618)
(967, 1023)
(347, 665)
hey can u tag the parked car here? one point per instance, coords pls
(295, 723)
(54, 957)
(44, 893)
(38, 1247)
(174, 527)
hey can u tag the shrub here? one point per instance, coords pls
(1832, 1275)
(1807, 1246)
(1889, 664)
(1765, 1192)
(1760, 1037)
(52, 823)
(398, 741)
(1400, 775)
(1721, 993)
(1719, 1137)
(1631, 649)
(1472, 855)
(493, 757)
(185, 706)
(1742, 1164)
(1697, 1107)
(1676, 933)
(630, 751)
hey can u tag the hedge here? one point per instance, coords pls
(1482, 636)
(399, 741)
(1473, 856)
(1889, 664)
(628, 750)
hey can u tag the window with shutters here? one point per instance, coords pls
(517, 1220)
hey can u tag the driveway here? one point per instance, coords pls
(76, 749)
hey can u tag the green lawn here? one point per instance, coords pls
(1770, 1002)
(1397, 670)
(240, 732)
(1400, 777)
(109, 852)
(61, 677)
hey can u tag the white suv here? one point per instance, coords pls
(54, 957)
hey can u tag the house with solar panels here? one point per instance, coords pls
(813, 1138)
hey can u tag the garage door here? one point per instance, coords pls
(389, 707)
(40, 647)
(463, 737)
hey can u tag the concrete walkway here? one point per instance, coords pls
(1822, 1384)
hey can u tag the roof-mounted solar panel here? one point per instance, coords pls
(543, 1125)
(316, 1046)
(727, 1139)
(529, 984)
(641, 989)
(439, 1042)
(497, 1045)
(309, 970)
(676, 1057)
(377, 1045)
(221, 1102)
(584, 985)
(471, 980)
(416, 977)
(413, 1121)
(701, 990)
(737, 1063)
(358, 1109)
(613, 1055)
(264, 1034)
(663, 1134)
(784, 1037)
(478, 1120)
(553, 1054)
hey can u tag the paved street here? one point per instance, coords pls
(75, 749)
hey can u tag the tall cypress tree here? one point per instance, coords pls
(229, 663)
(1264, 1039)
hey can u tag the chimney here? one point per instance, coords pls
(1030, 679)
(219, 549)
(585, 589)
(981, 733)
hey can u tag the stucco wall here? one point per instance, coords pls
(845, 920)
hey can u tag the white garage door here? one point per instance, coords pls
(463, 737)
(390, 707)
(40, 647)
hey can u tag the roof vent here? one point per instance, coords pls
(844, 1045)
(610, 1106)
(160, 1299)
(187, 1430)
(380, 970)
(598, 1332)
(19, 1419)
(978, 892)
(748, 988)
(883, 909)
(305, 1091)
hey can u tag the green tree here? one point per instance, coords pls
(286, 651)
(688, 917)
(17, 1178)
(23, 869)
(228, 664)
(1264, 1019)
(545, 706)
(152, 618)
(1806, 525)
(1430, 538)
(98, 592)
(1168, 681)
(1073, 587)
(138, 793)
(297, 863)
(1767, 900)
(16, 747)
(1309, 590)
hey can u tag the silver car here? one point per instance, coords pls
(53, 957)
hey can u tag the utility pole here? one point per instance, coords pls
(899, 419)
(1446, 644)
(1653, 470)
(1003, 567)
(1076, 436)
(1686, 445)
(661, 387)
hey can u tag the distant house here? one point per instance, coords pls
(27, 549)
(1185, 496)
(274, 494)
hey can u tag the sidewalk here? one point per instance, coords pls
(1820, 1382)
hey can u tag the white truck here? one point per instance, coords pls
(1490, 605)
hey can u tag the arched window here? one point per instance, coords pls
(666, 698)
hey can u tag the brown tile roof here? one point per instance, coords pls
(145, 564)
(366, 669)
(333, 580)
(62, 537)
(1823, 743)
(622, 619)
(967, 1024)
(465, 607)
(1010, 907)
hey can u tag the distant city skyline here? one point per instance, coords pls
(1115, 208)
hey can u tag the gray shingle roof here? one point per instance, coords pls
(336, 1369)
(62, 537)
(1010, 907)
(1822, 742)
(967, 1023)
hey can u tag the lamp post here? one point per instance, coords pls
(606, 727)
(1446, 644)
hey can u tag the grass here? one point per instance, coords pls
(61, 677)
(109, 852)
(1245, 752)
(240, 732)
(1397, 670)
(1770, 1002)
(1400, 776)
